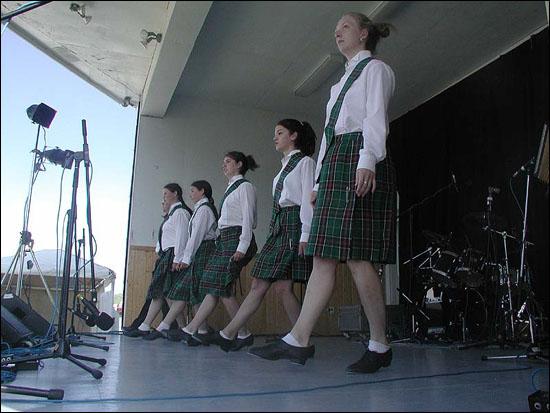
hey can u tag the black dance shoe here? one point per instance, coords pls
(190, 340)
(153, 335)
(136, 333)
(174, 335)
(208, 338)
(126, 329)
(239, 343)
(224, 343)
(371, 362)
(281, 350)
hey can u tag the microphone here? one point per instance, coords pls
(56, 156)
(85, 149)
(84, 130)
(88, 318)
(103, 320)
(524, 168)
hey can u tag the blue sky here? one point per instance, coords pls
(31, 77)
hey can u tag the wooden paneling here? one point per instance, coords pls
(269, 319)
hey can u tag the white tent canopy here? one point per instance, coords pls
(47, 262)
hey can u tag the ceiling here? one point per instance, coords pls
(254, 54)
(105, 52)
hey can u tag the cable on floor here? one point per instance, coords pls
(265, 393)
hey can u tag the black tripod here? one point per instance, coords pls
(502, 310)
(62, 349)
(26, 242)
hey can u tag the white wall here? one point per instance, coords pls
(189, 144)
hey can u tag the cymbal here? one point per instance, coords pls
(435, 238)
(480, 220)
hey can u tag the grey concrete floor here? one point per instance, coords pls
(168, 376)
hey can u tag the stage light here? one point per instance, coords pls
(41, 114)
(81, 11)
(147, 36)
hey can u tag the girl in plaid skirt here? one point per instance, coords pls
(354, 217)
(182, 286)
(281, 261)
(170, 247)
(235, 246)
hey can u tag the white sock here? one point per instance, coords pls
(243, 336)
(144, 327)
(163, 326)
(203, 331)
(223, 335)
(289, 339)
(185, 330)
(378, 347)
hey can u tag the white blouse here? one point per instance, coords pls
(175, 232)
(364, 109)
(202, 227)
(297, 188)
(239, 209)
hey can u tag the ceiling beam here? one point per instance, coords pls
(183, 27)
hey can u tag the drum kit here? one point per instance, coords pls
(478, 291)
(467, 295)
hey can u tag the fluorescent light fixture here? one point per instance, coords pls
(320, 75)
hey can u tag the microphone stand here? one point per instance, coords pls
(410, 213)
(533, 349)
(74, 336)
(62, 349)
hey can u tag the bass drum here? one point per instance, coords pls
(469, 315)
(448, 314)
(432, 317)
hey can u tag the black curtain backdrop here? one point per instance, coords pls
(482, 129)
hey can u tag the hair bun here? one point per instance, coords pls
(384, 30)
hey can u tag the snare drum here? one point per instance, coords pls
(468, 277)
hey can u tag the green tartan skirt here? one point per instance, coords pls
(184, 285)
(279, 259)
(161, 270)
(220, 272)
(348, 227)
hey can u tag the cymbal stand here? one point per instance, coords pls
(533, 350)
(504, 279)
(410, 213)
(525, 276)
(414, 324)
(410, 302)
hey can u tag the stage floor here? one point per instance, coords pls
(168, 376)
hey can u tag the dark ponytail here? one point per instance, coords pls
(248, 162)
(306, 137)
(375, 30)
(173, 187)
(207, 188)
